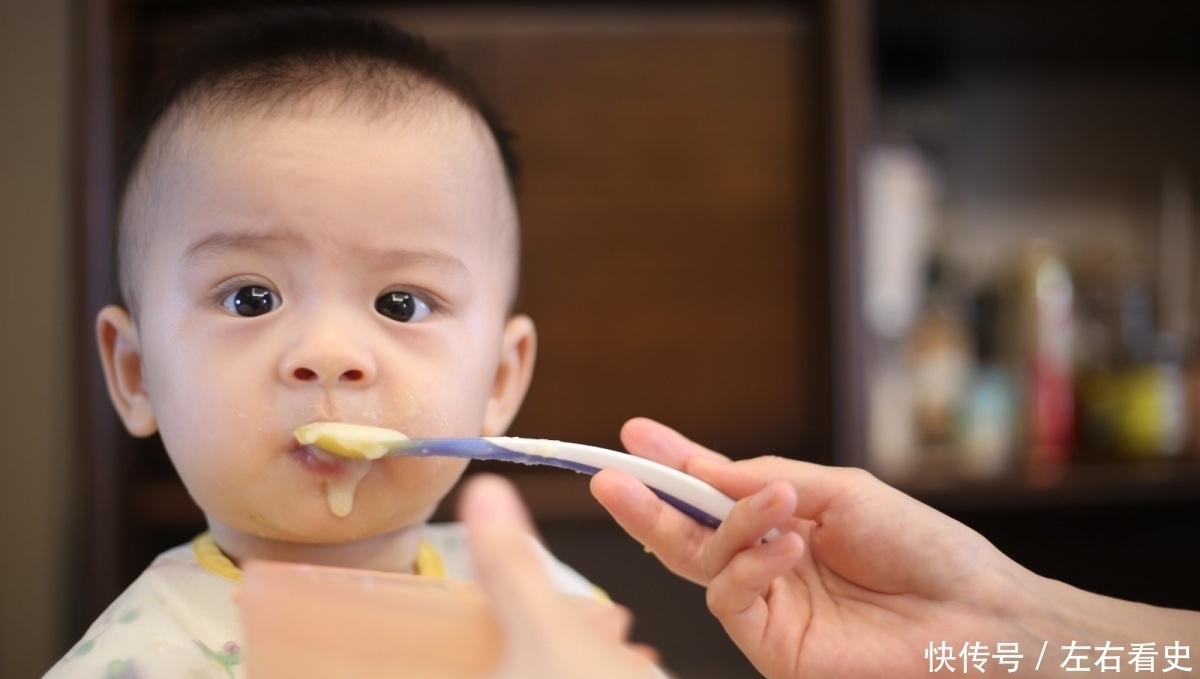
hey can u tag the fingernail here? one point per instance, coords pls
(491, 500)
(777, 546)
(762, 499)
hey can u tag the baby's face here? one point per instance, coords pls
(326, 267)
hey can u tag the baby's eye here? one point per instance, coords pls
(404, 307)
(252, 300)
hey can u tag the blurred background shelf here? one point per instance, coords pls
(1027, 240)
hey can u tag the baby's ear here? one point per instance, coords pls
(512, 375)
(122, 358)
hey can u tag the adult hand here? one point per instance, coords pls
(545, 634)
(863, 578)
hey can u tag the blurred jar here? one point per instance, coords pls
(1151, 422)
(1136, 404)
(1153, 405)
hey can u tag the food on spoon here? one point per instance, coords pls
(355, 441)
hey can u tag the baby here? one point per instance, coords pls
(317, 223)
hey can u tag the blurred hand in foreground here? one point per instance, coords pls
(546, 634)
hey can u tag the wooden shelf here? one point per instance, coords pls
(1083, 484)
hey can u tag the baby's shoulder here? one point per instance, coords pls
(176, 619)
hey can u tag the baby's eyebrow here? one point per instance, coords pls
(218, 243)
(400, 257)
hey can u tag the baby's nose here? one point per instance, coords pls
(328, 357)
(304, 374)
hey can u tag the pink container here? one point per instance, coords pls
(305, 621)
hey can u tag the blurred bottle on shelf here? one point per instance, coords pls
(1099, 346)
(900, 191)
(1150, 396)
(988, 415)
(1175, 398)
(941, 357)
(1046, 307)
(1153, 409)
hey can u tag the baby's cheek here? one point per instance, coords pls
(431, 471)
(419, 482)
(448, 402)
(406, 493)
(426, 417)
(215, 471)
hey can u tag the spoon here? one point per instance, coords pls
(688, 494)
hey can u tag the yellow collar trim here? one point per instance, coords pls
(428, 564)
(210, 556)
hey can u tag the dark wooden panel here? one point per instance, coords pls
(101, 459)
(849, 109)
(675, 251)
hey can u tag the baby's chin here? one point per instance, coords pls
(318, 527)
(381, 499)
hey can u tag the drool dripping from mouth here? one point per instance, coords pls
(339, 490)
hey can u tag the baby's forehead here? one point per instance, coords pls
(454, 129)
(197, 118)
(192, 131)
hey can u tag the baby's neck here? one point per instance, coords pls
(393, 552)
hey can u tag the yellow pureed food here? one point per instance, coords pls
(358, 443)
(355, 441)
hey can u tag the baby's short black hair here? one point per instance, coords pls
(270, 59)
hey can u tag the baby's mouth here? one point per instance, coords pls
(319, 462)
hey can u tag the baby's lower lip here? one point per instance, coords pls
(318, 461)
